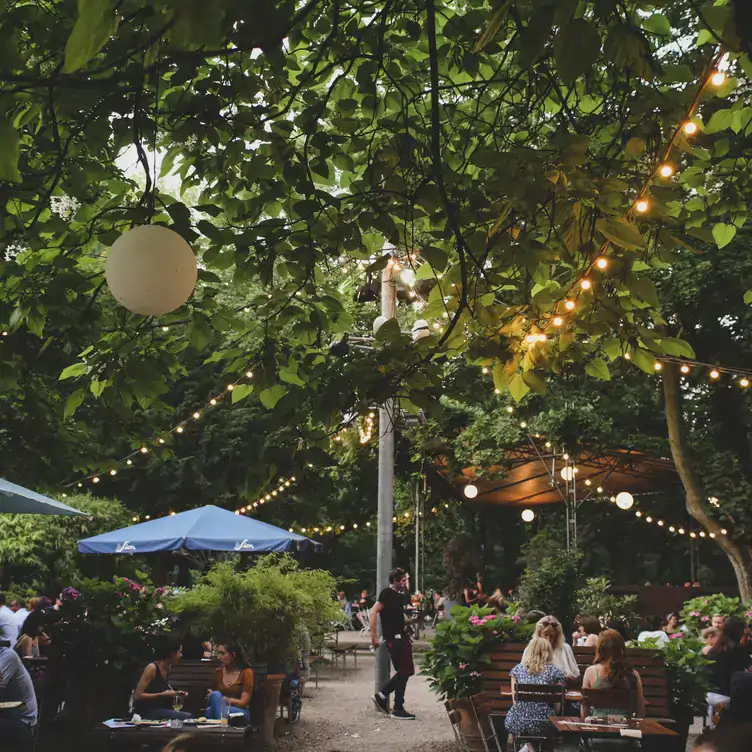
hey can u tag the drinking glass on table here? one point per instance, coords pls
(178, 700)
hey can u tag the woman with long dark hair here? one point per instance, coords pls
(612, 670)
(233, 683)
(32, 630)
(728, 655)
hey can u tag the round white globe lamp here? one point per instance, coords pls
(470, 491)
(567, 473)
(528, 515)
(378, 322)
(421, 329)
(151, 270)
(624, 500)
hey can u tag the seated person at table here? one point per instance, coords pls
(233, 684)
(588, 629)
(27, 645)
(710, 637)
(536, 668)
(612, 670)
(153, 694)
(549, 627)
(654, 630)
(728, 656)
(473, 594)
(16, 726)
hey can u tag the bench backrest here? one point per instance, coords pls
(648, 663)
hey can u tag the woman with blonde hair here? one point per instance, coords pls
(549, 627)
(531, 718)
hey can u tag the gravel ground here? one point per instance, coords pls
(339, 716)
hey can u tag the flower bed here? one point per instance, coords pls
(463, 645)
(697, 613)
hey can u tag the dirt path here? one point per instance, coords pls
(339, 716)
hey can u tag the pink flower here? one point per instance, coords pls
(516, 618)
(694, 613)
(495, 632)
(474, 673)
(463, 665)
(705, 618)
(675, 636)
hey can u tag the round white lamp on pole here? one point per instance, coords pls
(624, 500)
(528, 515)
(470, 491)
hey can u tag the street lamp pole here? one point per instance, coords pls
(386, 476)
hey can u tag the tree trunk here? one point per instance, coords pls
(739, 555)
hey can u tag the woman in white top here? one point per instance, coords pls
(549, 627)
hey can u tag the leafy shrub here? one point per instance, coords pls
(550, 587)
(463, 645)
(108, 626)
(685, 672)
(264, 609)
(697, 613)
(595, 600)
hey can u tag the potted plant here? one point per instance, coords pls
(100, 635)
(461, 649)
(264, 609)
(687, 679)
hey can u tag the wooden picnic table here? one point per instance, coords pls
(573, 695)
(212, 737)
(581, 727)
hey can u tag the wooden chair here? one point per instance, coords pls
(490, 708)
(548, 694)
(455, 718)
(621, 700)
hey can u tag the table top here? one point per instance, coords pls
(577, 725)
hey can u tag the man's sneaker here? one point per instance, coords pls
(381, 703)
(402, 715)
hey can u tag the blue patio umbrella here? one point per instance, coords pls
(19, 500)
(207, 528)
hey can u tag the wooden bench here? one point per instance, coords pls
(648, 663)
(342, 651)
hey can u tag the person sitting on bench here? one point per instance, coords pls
(153, 692)
(233, 684)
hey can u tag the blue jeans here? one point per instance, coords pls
(214, 707)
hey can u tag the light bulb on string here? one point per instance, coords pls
(569, 305)
(586, 284)
(714, 374)
(657, 366)
(558, 321)
(718, 78)
(601, 263)
(684, 369)
(690, 128)
(528, 515)
(666, 170)
(642, 206)
(624, 500)
(744, 382)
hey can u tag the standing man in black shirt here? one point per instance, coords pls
(391, 607)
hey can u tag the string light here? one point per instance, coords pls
(657, 366)
(558, 320)
(718, 78)
(642, 206)
(744, 383)
(714, 374)
(666, 170)
(601, 263)
(690, 128)
(586, 284)
(569, 305)
(685, 369)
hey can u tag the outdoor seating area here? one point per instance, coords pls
(376, 375)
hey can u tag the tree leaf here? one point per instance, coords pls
(643, 361)
(77, 369)
(9, 152)
(200, 333)
(723, 234)
(535, 382)
(622, 233)
(241, 391)
(576, 48)
(269, 397)
(518, 388)
(72, 403)
(500, 377)
(597, 368)
(490, 32)
(677, 347)
(95, 24)
(748, 297)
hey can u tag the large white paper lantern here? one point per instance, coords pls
(151, 270)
